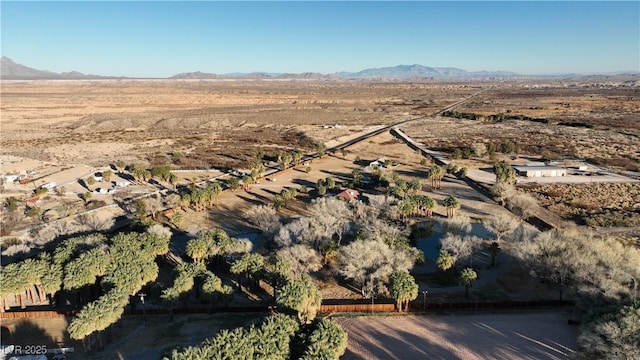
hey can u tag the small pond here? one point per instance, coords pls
(430, 246)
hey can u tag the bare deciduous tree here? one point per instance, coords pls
(522, 204)
(370, 263)
(457, 225)
(501, 225)
(502, 191)
(460, 248)
(264, 218)
(301, 258)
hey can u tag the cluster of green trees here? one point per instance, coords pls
(214, 245)
(492, 117)
(412, 205)
(454, 169)
(122, 271)
(188, 276)
(162, 172)
(322, 185)
(435, 174)
(201, 198)
(286, 159)
(505, 173)
(489, 149)
(285, 196)
(117, 268)
(278, 337)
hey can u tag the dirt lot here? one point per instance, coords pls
(495, 336)
(132, 339)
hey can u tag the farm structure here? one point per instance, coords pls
(540, 171)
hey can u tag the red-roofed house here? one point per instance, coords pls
(349, 194)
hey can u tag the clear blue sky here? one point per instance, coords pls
(160, 39)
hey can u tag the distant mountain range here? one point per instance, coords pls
(11, 70)
(421, 72)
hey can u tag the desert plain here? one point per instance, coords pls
(66, 131)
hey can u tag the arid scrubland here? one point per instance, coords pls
(200, 123)
(310, 246)
(589, 121)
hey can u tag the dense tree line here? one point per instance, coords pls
(278, 337)
(112, 269)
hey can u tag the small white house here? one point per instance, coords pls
(11, 178)
(122, 184)
(540, 171)
(50, 185)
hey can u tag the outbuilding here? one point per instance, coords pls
(540, 171)
(50, 185)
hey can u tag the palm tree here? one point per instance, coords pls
(86, 196)
(429, 204)
(414, 186)
(320, 149)
(246, 182)
(32, 270)
(107, 175)
(279, 154)
(197, 249)
(403, 288)
(185, 201)
(494, 250)
(452, 204)
(90, 182)
(286, 161)
(173, 180)
(297, 156)
(11, 283)
(250, 264)
(407, 207)
(215, 189)
(445, 261)
(468, 277)
(177, 218)
(233, 183)
(357, 177)
(330, 183)
(436, 173)
(278, 202)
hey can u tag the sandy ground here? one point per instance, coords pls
(133, 339)
(229, 213)
(540, 335)
(494, 336)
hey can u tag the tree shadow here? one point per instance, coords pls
(303, 182)
(28, 333)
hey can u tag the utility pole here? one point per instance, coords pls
(144, 313)
(424, 300)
